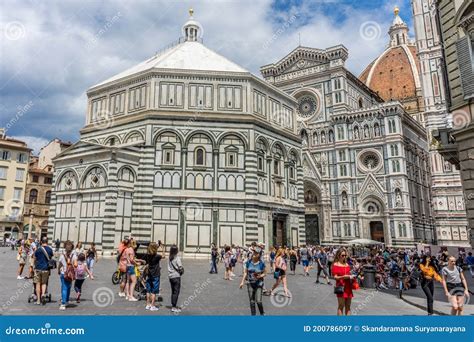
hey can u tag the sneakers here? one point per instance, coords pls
(20, 277)
(121, 294)
(62, 307)
(176, 310)
(148, 307)
(43, 300)
(132, 299)
(154, 308)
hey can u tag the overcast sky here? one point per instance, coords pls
(52, 51)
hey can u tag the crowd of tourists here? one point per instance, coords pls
(139, 270)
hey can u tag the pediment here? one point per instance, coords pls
(371, 187)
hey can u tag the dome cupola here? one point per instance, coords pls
(192, 29)
(399, 30)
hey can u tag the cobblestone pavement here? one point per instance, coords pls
(201, 294)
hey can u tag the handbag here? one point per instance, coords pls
(276, 274)
(51, 262)
(338, 290)
(355, 284)
(180, 269)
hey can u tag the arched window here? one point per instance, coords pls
(344, 199)
(261, 155)
(47, 197)
(361, 102)
(199, 157)
(33, 196)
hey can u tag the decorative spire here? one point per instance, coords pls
(399, 30)
(192, 29)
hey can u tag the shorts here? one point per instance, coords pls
(41, 277)
(153, 285)
(131, 270)
(22, 260)
(455, 289)
(305, 263)
(32, 261)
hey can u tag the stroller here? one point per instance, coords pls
(140, 287)
(34, 297)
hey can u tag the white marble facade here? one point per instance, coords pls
(187, 148)
(366, 162)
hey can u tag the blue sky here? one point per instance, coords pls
(51, 52)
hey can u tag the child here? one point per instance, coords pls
(81, 271)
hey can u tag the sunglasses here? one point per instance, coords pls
(343, 255)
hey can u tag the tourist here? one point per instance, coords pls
(175, 271)
(129, 255)
(214, 256)
(341, 272)
(470, 263)
(57, 244)
(79, 249)
(81, 270)
(66, 271)
(227, 263)
(31, 247)
(322, 266)
(254, 273)
(21, 257)
(331, 255)
(272, 259)
(122, 265)
(91, 257)
(304, 255)
(429, 273)
(152, 260)
(280, 272)
(41, 259)
(293, 260)
(455, 286)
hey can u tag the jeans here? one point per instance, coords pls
(292, 265)
(65, 290)
(214, 265)
(322, 269)
(90, 264)
(175, 288)
(255, 296)
(428, 289)
(78, 285)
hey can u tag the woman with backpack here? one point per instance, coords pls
(254, 272)
(175, 271)
(228, 263)
(81, 271)
(66, 271)
(455, 286)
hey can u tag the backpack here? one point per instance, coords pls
(70, 272)
(80, 271)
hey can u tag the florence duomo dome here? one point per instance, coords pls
(394, 75)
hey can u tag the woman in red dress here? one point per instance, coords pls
(342, 274)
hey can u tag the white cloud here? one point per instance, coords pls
(34, 143)
(69, 46)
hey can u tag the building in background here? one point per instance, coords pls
(409, 70)
(448, 199)
(365, 161)
(38, 189)
(187, 148)
(14, 157)
(456, 24)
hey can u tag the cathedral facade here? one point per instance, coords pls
(410, 71)
(365, 161)
(187, 148)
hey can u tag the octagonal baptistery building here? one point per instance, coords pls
(188, 148)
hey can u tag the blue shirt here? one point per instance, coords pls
(253, 270)
(41, 262)
(470, 260)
